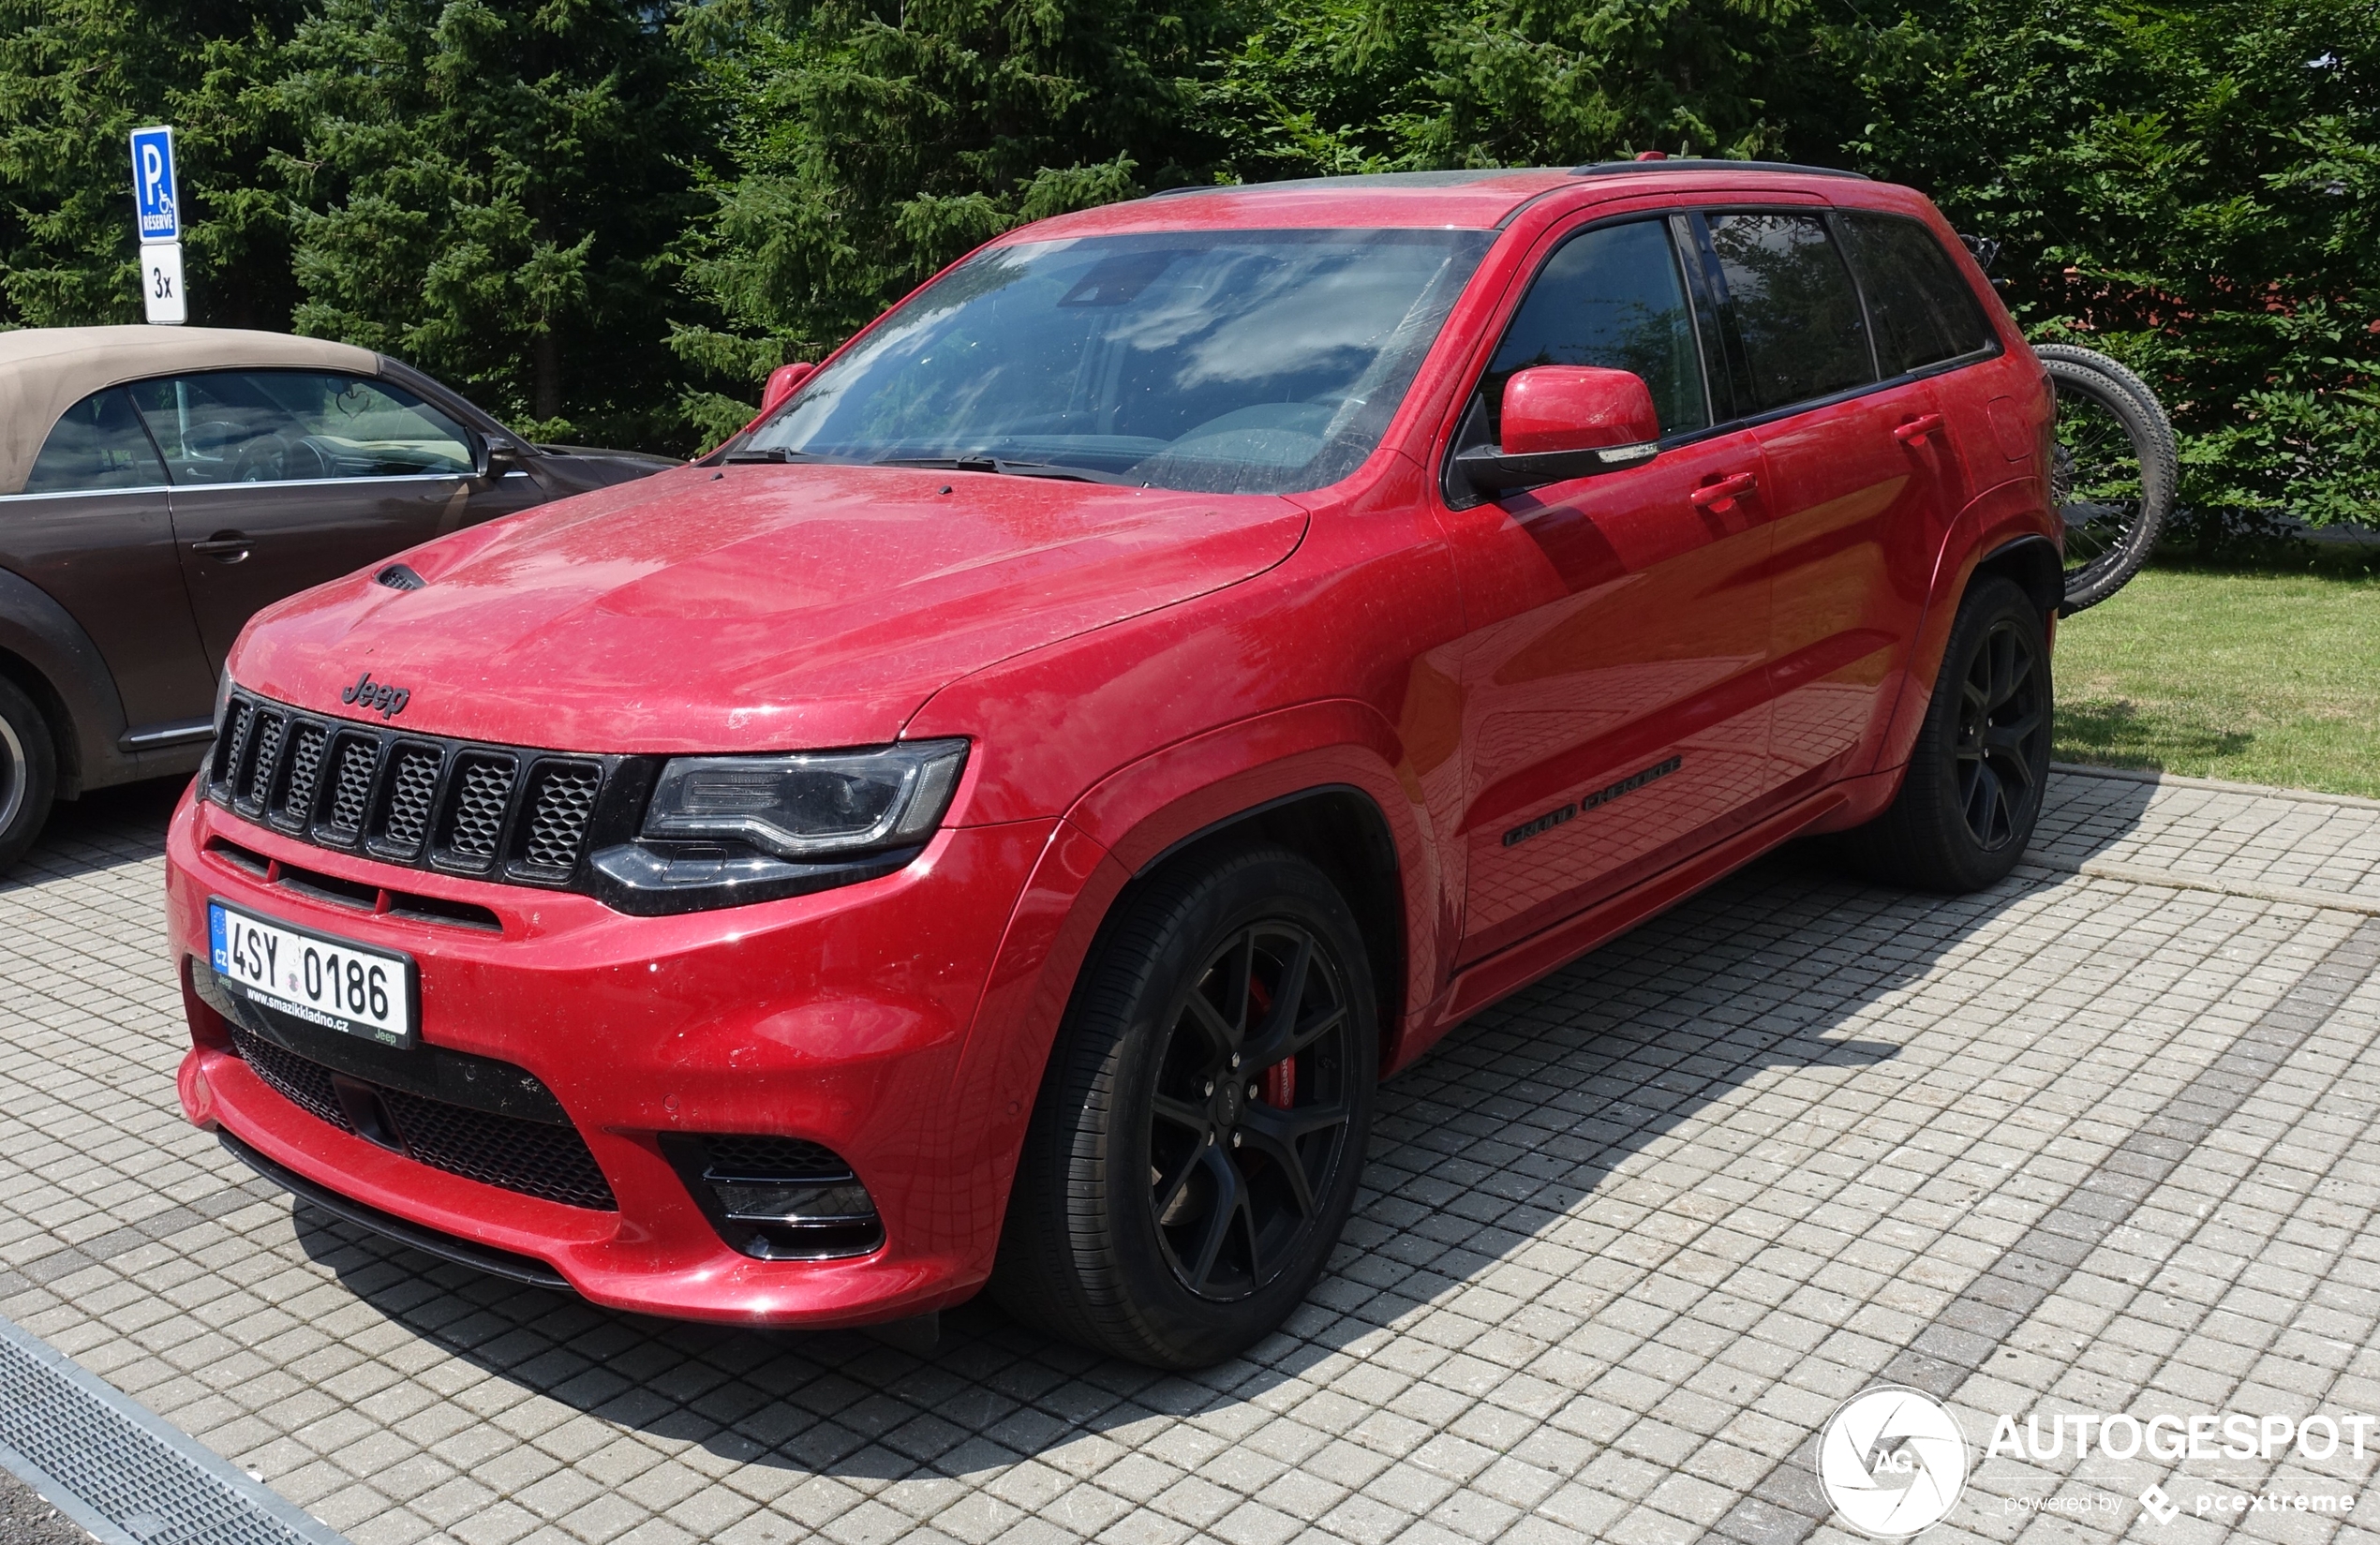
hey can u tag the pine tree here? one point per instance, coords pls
(877, 140)
(489, 189)
(76, 76)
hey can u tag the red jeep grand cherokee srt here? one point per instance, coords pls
(996, 821)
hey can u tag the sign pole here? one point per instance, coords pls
(157, 217)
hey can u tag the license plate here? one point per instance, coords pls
(311, 976)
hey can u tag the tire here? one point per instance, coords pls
(1157, 1212)
(28, 773)
(2116, 446)
(1972, 793)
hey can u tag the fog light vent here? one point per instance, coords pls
(778, 1198)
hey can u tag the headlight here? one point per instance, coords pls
(222, 698)
(809, 805)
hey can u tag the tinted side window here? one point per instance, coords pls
(279, 425)
(1611, 297)
(1923, 309)
(1795, 312)
(98, 444)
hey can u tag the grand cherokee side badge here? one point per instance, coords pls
(389, 701)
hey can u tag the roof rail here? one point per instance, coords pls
(1700, 163)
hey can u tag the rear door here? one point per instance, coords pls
(1616, 714)
(1857, 472)
(92, 529)
(284, 479)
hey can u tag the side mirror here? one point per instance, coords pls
(1568, 421)
(783, 382)
(493, 458)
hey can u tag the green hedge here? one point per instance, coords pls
(610, 218)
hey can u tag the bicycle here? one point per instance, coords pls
(2113, 471)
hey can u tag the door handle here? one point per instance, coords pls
(1917, 428)
(1720, 496)
(229, 546)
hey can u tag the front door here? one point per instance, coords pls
(92, 528)
(1615, 686)
(284, 479)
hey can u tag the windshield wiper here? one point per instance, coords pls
(770, 453)
(1013, 469)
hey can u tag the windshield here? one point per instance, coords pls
(1220, 361)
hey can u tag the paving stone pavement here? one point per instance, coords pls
(2079, 1144)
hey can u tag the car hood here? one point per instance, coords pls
(751, 607)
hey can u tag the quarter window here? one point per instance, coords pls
(1921, 307)
(1611, 297)
(1795, 314)
(289, 425)
(96, 446)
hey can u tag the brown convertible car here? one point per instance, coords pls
(159, 485)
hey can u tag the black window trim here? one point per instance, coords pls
(1829, 213)
(1686, 220)
(1992, 348)
(1456, 492)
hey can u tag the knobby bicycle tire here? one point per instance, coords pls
(2115, 497)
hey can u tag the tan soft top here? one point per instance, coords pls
(46, 370)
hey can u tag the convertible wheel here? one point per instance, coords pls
(1967, 805)
(1200, 1131)
(28, 773)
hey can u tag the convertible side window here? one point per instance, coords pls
(293, 426)
(96, 445)
(1612, 296)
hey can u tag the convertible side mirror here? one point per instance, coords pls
(1563, 421)
(493, 458)
(783, 382)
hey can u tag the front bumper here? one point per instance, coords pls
(838, 1017)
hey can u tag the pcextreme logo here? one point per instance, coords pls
(1892, 1461)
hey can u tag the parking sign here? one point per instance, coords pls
(161, 284)
(154, 200)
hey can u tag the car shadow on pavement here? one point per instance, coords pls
(1532, 1123)
(107, 828)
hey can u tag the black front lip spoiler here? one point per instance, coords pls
(429, 1241)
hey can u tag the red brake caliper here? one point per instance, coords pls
(1281, 1079)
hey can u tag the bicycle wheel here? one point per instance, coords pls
(2114, 471)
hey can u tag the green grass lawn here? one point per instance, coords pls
(2263, 677)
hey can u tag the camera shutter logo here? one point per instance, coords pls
(1892, 1461)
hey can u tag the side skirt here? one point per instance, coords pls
(1510, 969)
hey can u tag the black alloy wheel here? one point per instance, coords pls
(1973, 791)
(1251, 1110)
(2003, 734)
(1198, 1138)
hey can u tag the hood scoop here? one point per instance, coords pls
(396, 576)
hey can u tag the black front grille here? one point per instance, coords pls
(545, 1160)
(773, 1158)
(351, 794)
(535, 1158)
(558, 815)
(270, 729)
(475, 816)
(304, 1084)
(502, 812)
(305, 775)
(407, 819)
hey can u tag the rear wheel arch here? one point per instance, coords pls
(2032, 562)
